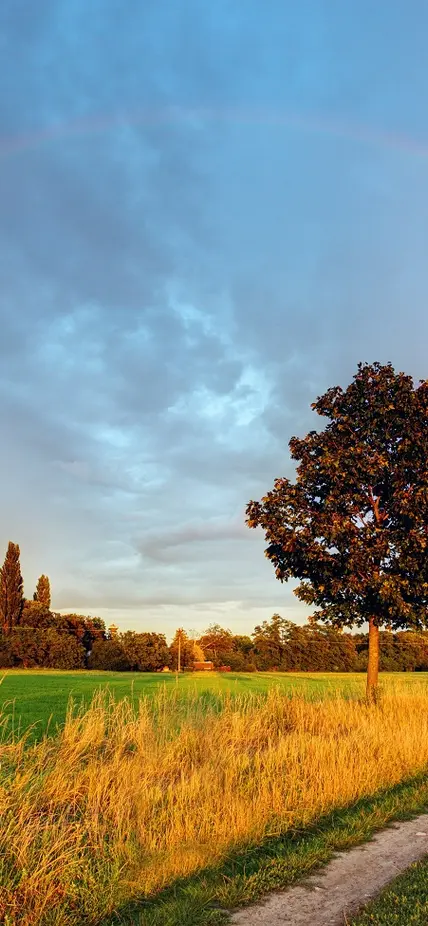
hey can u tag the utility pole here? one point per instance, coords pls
(179, 652)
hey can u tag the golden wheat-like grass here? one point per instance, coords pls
(124, 800)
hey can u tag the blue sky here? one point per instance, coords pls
(209, 213)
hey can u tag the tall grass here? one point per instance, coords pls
(124, 800)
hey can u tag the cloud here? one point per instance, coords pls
(209, 215)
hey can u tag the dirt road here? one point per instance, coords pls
(334, 894)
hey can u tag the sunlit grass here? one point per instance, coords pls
(39, 697)
(125, 799)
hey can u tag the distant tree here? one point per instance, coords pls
(45, 648)
(109, 655)
(11, 589)
(182, 650)
(270, 641)
(197, 652)
(85, 629)
(217, 644)
(242, 656)
(242, 643)
(145, 652)
(43, 592)
(63, 651)
(354, 526)
(36, 615)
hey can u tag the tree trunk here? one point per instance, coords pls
(373, 663)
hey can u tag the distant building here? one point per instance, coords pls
(113, 631)
(224, 669)
(203, 666)
(166, 669)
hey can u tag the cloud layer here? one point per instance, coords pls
(209, 214)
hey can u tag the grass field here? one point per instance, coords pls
(403, 903)
(169, 809)
(40, 697)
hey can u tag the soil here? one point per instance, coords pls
(331, 896)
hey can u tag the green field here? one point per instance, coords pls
(39, 698)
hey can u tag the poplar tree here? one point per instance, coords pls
(43, 592)
(11, 589)
(353, 527)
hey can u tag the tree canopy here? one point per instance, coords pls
(353, 527)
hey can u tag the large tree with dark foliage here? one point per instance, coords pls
(11, 589)
(353, 527)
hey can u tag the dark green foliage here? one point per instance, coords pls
(354, 526)
(36, 615)
(242, 657)
(282, 645)
(45, 648)
(108, 655)
(270, 640)
(145, 652)
(277, 644)
(11, 590)
(84, 629)
(6, 655)
(43, 592)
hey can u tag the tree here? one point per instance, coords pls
(46, 648)
(108, 655)
(182, 651)
(145, 652)
(36, 615)
(198, 653)
(84, 629)
(241, 659)
(217, 644)
(43, 592)
(353, 527)
(270, 640)
(11, 589)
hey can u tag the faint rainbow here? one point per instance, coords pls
(311, 123)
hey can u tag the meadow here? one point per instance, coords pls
(39, 697)
(186, 799)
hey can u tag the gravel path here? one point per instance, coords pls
(334, 894)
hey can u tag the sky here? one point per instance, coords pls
(209, 214)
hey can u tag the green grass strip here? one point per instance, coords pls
(403, 903)
(248, 875)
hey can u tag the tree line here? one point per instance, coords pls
(33, 635)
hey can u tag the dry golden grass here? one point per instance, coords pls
(123, 801)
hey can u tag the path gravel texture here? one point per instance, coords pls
(333, 895)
